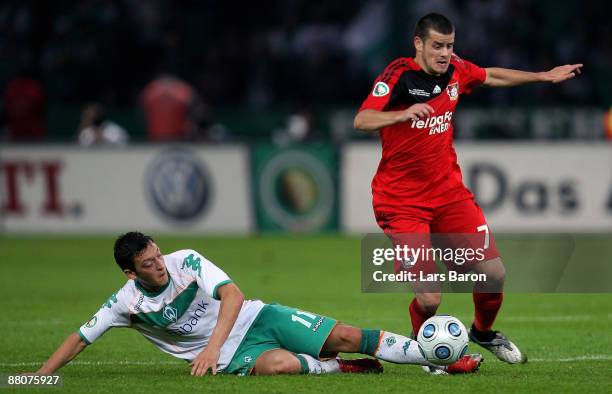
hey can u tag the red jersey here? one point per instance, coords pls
(24, 100)
(166, 101)
(419, 164)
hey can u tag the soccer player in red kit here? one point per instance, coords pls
(418, 187)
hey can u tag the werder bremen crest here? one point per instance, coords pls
(170, 313)
(453, 90)
(390, 341)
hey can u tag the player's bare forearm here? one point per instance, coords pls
(231, 303)
(505, 77)
(68, 350)
(371, 120)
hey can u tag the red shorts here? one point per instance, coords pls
(458, 225)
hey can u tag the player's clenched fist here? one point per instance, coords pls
(416, 112)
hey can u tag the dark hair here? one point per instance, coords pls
(433, 21)
(128, 246)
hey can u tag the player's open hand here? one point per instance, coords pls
(204, 361)
(561, 73)
(416, 112)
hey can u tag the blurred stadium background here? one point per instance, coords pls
(196, 117)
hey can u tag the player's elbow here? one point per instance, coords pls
(360, 121)
(494, 79)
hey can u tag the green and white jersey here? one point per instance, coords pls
(178, 319)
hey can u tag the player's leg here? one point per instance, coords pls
(402, 226)
(388, 346)
(383, 345)
(423, 306)
(275, 362)
(488, 295)
(302, 335)
(464, 225)
(284, 362)
(414, 224)
(305, 336)
(466, 217)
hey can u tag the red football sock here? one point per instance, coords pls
(418, 315)
(486, 306)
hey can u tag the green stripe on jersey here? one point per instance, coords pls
(215, 290)
(171, 312)
(151, 293)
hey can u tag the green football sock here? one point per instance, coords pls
(304, 369)
(369, 341)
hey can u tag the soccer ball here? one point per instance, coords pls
(443, 339)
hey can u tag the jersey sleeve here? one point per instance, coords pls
(113, 313)
(208, 276)
(471, 75)
(385, 86)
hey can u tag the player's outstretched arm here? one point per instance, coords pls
(231, 302)
(68, 350)
(371, 119)
(505, 77)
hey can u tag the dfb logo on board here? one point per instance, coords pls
(297, 191)
(178, 185)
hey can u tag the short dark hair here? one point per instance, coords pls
(433, 21)
(128, 246)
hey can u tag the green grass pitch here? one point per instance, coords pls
(51, 285)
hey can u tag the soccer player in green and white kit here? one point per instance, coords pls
(190, 309)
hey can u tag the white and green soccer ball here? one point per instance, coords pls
(444, 339)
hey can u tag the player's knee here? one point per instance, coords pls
(429, 301)
(287, 366)
(498, 276)
(495, 276)
(496, 272)
(277, 362)
(285, 363)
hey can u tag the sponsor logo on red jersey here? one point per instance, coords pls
(437, 124)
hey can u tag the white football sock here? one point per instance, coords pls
(318, 367)
(399, 349)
